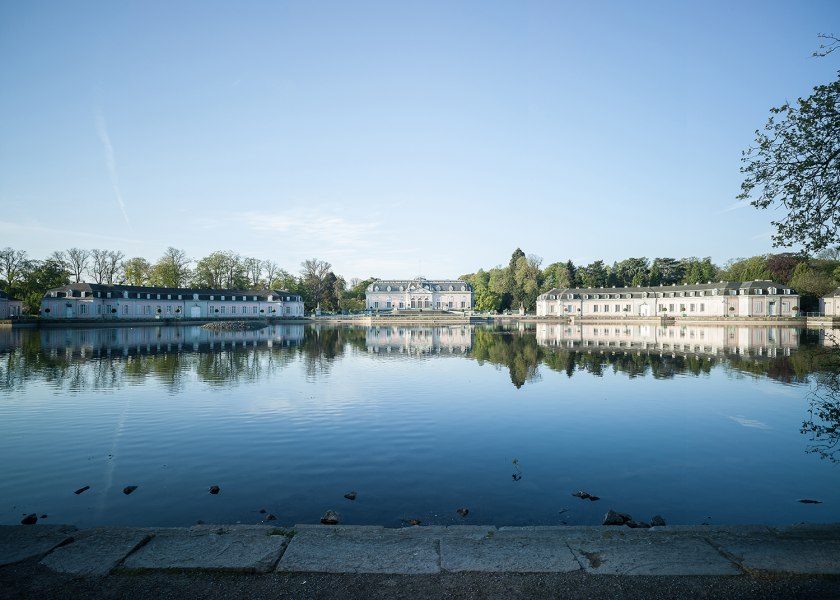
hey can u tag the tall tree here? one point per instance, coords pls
(105, 265)
(137, 271)
(593, 275)
(253, 270)
(13, 264)
(270, 268)
(795, 166)
(666, 271)
(172, 269)
(314, 273)
(76, 261)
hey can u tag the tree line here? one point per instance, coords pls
(497, 289)
(522, 280)
(28, 279)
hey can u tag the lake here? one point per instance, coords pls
(699, 424)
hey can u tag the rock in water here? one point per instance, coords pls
(586, 496)
(29, 519)
(657, 521)
(807, 501)
(463, 512)
(330, 518)
(82, 489)
(214, 489)
(128, 489)
(616, 518)
(350, 495)
(270, 517)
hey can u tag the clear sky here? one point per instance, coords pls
(395, 138)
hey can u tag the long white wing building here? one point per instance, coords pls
(760, 298)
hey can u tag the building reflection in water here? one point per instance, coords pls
(133, 341)
(419, 340)
(709, 340)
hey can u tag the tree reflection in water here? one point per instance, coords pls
(823, 422)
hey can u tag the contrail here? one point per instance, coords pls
(102, 130)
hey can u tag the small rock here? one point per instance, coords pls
(463, 512)
(29, 519)
(516, 476)
(214, 489)
(128, 489)
(82, 489)
(330, 518)
(413, 522)
(616, 518)
(270, 517)
(43, 516)
(350, 495)
(586, 496)
(637, 524)
(657, 521)
(263, 511)
(808, 501)
(199, 522)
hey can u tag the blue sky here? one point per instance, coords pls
(394, 138)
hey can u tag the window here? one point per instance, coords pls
(147, 310)
(254, 310)
(388, 303)
(671, 307)
(221, 310)
(83, 309)
(682, 307)
(594, 308)
(168, 309)
(617, 308)
(376, 302)
(402, 304)
(606, 308)
(692, 308)
(702, 307)
(233, 310)
(125, 309)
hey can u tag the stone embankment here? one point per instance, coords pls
(659, 551)
(234, 325)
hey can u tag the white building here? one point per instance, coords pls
(115, 302)
(830, 304)
(761, 298)
(9, 307)
(418, 294)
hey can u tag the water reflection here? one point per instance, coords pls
(823, 422)
(103, 358)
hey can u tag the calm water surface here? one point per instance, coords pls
(698, 424)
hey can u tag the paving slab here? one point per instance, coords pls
(515, 551)
(811, 531)
(96, 551)
(19, 542)
(784, 555)
(647, 552)
(330, 549)
(248, 548)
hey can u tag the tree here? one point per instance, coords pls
(271, 269)
(42, 276)
(13, 264)
(795, 165)
(696, 270)
(666, 271)
(314, 273)
(746, 269)
(781, 265)
(105, 265)
(75, 261)
(137, 271)
(526, 277)
(172, 269)
(593, 275)
(809, 281)
(632, 272)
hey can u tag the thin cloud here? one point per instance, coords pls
(102, 130)
(735, 206)
(309, 229)
(9, 227)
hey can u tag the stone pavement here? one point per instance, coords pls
(691, 550)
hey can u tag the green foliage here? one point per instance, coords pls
(795, 166)
(746, 269)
